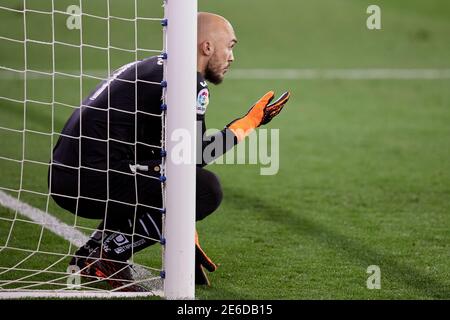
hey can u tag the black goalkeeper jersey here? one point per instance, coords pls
(121, 121)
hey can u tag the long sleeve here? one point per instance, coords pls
(211, 147)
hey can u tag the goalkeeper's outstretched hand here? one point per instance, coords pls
(260, 113)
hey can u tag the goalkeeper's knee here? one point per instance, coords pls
(209, 193)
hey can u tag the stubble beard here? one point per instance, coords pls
(212, 74)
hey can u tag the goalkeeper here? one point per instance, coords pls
(106, 163)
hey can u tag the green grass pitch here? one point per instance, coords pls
(364, 175)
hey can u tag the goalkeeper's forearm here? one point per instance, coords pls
(215, 146)
(260, 113)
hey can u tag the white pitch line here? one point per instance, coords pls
(75, 237)
(271, 74)
(69, 233)
(340, 74)
(78, 294)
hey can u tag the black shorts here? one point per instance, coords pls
(119, 195)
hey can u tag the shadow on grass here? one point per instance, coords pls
(355, 251)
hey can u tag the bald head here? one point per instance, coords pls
(215, 40)
(210, 26)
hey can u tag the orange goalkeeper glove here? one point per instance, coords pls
(202, 261)
(260, 113)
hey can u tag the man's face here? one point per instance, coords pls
(220, 61)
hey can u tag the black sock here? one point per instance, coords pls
(94, 242)
(120, 245)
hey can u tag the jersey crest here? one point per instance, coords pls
(202, 101)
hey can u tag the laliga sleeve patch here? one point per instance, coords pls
(202, 101)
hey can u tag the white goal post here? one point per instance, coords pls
(26, 278)
(180, 186)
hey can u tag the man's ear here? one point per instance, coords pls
(206, 48)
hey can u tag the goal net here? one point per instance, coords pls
(54, 54)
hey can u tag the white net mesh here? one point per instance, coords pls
(53, 54)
